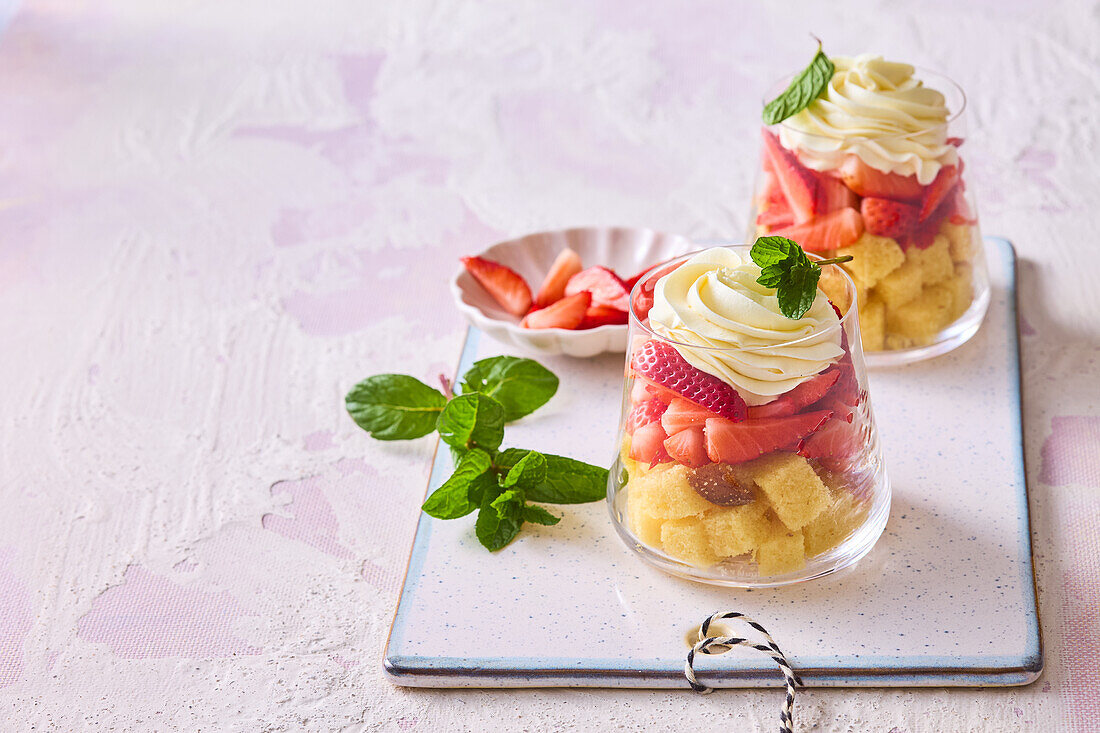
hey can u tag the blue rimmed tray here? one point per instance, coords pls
(947, 596)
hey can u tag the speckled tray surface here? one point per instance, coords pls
(945, 598)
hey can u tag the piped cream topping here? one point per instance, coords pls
(726, 324)
(877, 110)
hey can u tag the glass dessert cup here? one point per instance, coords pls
(796, 490)
(918, 260)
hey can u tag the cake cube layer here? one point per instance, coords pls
(874, 258)
(872, 325)
(792, 488)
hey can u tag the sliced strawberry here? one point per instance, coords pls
(648, 444)
(888, 218)
(799, 185)
(643, 299)
(960, 212)
(644, 389)
(922, 236)
(602, 315)
(832, 194)
(868, 181)
(683, 414)
(846, 390)
(836, 444)
(644, 413)
(732, 442)
(805, 393)
(503, 283)
(661, 363)
(605, 286)
(688, 447)
(566, 265)
(937, 190)
(956, 141)
(836, 229)
(566, 313)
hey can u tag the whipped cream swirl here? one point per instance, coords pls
(727, 324)
(877, 110)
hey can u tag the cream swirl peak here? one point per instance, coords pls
(879, 111)
(726, 324)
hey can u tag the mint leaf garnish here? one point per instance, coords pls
(498, 485)
(394, 406)
(529, 472)
(785, 267)
(521, 386)
(803, 89)
(499, 521)
(569, 482)
(472, 419)
(538, 515)
(452, 500)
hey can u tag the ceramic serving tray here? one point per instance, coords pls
(946, 597)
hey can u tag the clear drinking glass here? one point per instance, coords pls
(735, 515)
(921, 292)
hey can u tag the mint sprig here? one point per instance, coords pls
(498, 484)
(803, 89)
(785, 267)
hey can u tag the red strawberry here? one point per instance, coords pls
(503, 283)
(566, 313)
(798, 184)
(845, 392)
(566, 265)
(960, 212)
(774, 209)
(836, 229)
(836, 444)
(602, 315)
(661, 363)
(832, 194)
(688, 447)
(648, 444)
(643, 300)
(937, 190)
(868, 181)
(888, 218)
(683, 414)
(956, 141)
(644, 413)
(605, 286)
(730, 442)
(805, 393)
(922, 236)
(644, 390)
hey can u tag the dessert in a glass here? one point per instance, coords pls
(872, 166)
(748, 449)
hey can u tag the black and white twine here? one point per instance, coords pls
(708, 644)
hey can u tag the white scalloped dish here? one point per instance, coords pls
(625, 250)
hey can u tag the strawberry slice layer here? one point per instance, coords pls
(867, 181)
(832, 194)
(688, 447)
(643, 414)
(660, 363)
(799, 185)
(647, 445)
(566, 313)
(888, 218)
(605, 286)
(506, 285)
(836, 444)
(733, 442)
(566, 265)
(834, 230)
(937, 190)
(683, 414)
(805, 393)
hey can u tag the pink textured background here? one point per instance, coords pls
(214, 218)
